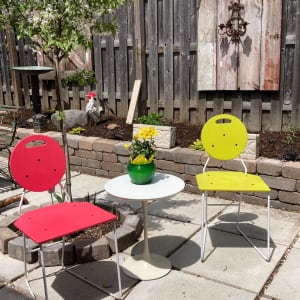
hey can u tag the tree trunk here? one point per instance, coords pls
(60, 102)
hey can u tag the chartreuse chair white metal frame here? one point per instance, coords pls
(225, 137)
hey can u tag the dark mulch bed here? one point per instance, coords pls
(277, 145)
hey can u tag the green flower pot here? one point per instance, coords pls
(141, 174)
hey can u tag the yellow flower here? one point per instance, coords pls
(140, 160)
(142, 149)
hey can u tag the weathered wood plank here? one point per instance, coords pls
(122, 72)
(98, 66)
(184, 84)
(139, 53)
(255, 116)
(218, 103)
(13, 59)
(111, 86)
(24, 78)
(250, 46)
(194, 94)
(75, 104)
(227, 53)
(276, 112)
(271, 36)
(202, 105)
(168, 59)
(152, 57)
(133, 101)
(206, 51)
(295, 118)
(237, 104)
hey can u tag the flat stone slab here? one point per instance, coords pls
(178, 285)
(134, 204)
(185, 207)
(11, 293)
(229, 259)
(11, 268)
(253, 221)
(85, 185)
(6, 235)
(169, 233)
(63, 285)
(285, 284)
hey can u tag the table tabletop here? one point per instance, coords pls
(162, 186)
(54, 221)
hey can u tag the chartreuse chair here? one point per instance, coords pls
(225, 137)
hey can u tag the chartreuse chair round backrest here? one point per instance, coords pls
(37, 163)
(224, 137)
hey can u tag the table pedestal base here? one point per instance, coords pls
(152, 267)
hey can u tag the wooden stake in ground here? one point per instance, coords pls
(133, 101)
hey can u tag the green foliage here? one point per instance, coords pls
(291, 135)
(59, 26)
(59, 197)
(80, 78)
(292, 140)
(76, 130)
(197, 145)
(152, 119)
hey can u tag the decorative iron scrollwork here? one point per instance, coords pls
(235, 26)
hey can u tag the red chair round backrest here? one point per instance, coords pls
(37, 163)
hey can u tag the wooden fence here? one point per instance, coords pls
(157, 43)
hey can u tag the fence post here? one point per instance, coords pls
(295, 118)
(15, 78)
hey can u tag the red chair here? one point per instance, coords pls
(38, 164)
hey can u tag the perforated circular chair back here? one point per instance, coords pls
(224, 137)
(37, 163)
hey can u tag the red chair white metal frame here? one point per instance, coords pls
(225, 137)
(38, 164)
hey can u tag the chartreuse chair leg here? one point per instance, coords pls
(203, 224)
(204, 228)
(265, 257)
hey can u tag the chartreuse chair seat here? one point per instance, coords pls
(225, 137)
(231, 181)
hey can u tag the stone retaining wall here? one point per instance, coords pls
(108, 158)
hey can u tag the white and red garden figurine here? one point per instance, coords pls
(92, 110)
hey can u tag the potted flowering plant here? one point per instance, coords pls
(141, 167)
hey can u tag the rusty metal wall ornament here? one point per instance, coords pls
(235, 26)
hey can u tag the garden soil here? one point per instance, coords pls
(277, 145)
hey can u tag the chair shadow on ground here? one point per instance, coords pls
(224, 233)
(102, 273)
